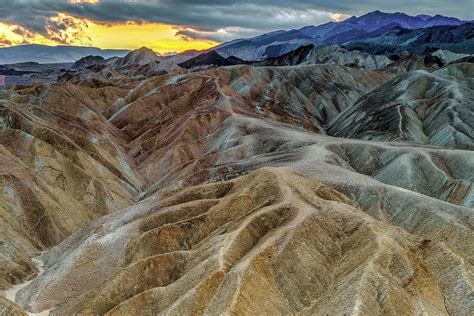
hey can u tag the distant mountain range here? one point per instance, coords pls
(53, 54)
(374, 33)
(371, 25)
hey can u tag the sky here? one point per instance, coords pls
(168, 26)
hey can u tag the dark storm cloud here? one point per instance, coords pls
(206, 19)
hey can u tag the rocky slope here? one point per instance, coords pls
(428, 108)
(457, 39)
(213, 248)
(335, 54)
(135, 66)
(268, 45)
(210, 59)
(233, 198)
(447, 57)
(295, 57)
(404, 61)
(88, 61)
(62, 166)
(138, 57)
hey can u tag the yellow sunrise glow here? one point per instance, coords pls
(159, 37)
(127, 35)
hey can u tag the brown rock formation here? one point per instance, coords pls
(160, 187)
(61, 166)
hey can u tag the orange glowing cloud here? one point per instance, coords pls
(12, 34)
